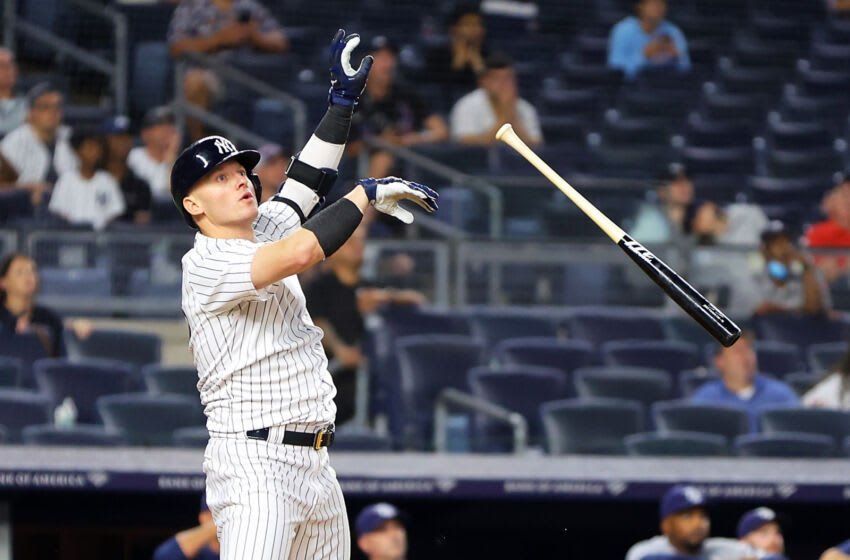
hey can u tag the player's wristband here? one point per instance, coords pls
(334, 225)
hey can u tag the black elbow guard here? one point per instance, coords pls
(334, 225)
(320, 180)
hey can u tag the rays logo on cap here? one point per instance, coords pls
(693, 495)
(224, 145)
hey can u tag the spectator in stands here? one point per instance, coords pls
(88, 195)
(738, 223)
(197, 543)
(741, 385)
(381, 534)
(458, 64)
(685, 527)
(647, 41)
(834, 232)
(840, 552)
(393, 112)
(760, 529)
(477, 116)
(272, 169)
(136, 192)
(152, 162)
(20, 314)
(38, 151)
(13, 107)
(833, 391)
(788, 283)
(663, 221)
(839, 7)
(220, 28)
(337, 301)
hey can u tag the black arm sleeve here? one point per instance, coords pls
(334, 225)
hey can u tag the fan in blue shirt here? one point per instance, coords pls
(197, 543)
(740, 385)
(647, 40)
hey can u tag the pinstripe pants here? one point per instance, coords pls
(272, 501)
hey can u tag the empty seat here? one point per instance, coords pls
(641, 384)
(802, 330)
(825, 357)
(133, 347)
(565, 355)
(778, 358)
(11, 372)
(602, 325)
(711, 161)
(784, 444)
(83, 382)
(82, 435)
(92, 282)
(20, 408)
(195, 437)
(26, 347)
(676, 444)
(590, 427)
(492, 329)
(805, 136)
(176, 380)
(702, 133)
(832, 423)
(803, 163)
(823, 82)
(802, 381)
(149, 419)
(680, 416)
(669, 355)
(360, 439)
(520, 389)
(685, 329)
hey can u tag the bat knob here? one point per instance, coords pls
(505, 128)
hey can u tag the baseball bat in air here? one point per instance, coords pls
(686, 296)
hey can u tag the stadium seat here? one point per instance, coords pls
(569, 102)
(427, 365)
(566, 355)
(825, 357)
(83, 382)
(828, 56)
(150, 75)
(692, 379)
(20, 408)
(800, 329)
(678, 416)
(802, 192)
(359, 439)
(668, 355)
(78, 435)
(683, 328)
(91, 282)
(599, 77)
(804, 136)
(765, 81)
(802, 381)
(590, 427)
(828, 111)
(847, 446)
(517, 388)
(26, 347)
(493, 329)
(784, 444)
(702, 133)
(11, 372)
(832, 423)
(676, 444)
(644, 385)
(711, 161)
(803, 163)
(778, 358)
(823, 83)
(273, 120)
(149, 420)
(161, 380)
(635, 132)
(136, 348)
(194, 437)
(734, 107)
(606, 324)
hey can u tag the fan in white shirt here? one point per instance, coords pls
(152, 162)
(88, 195)
(833, 391)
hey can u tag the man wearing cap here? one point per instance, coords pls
(197, 543)
(760, 529)
(137, 193)
(685, 527)
(381, 535)
(152, 162)
(38, 151)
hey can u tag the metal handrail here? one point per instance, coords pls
(228, 72)
(458, 399)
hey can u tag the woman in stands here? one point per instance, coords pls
(833, 391)
(19, 313)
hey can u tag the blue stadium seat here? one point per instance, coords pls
(734, 107)
(644, 385)
(606, 324)
(802, 330)
(427, 365)
(84, 382)
(570, 102)
(785, 444)
(494, 328)
(25, 347)
(668, 355)
(79, 435)
(15, 204)
(635, 132)
(711, 161)
(803, 163)
(804, 136)
(136, 348)
(829, 56)
(801, 192)
(149, 419)
(359, 439)
(566, 355)
(273, 120)
(778, 358)
(11, 372)
(679, 416)
(825, 357)
(175, 380)
(20, 408)
(802, 381)
(823, 83)
(683, 328)
(829, 111)
(194, 437)
(590, 427)
(847, 446)
(93, 282)
(748, 80)
(702, 133)
(520, 389)
(676, 444)
(832, 423)
(692, 379)
(604, 80)
(150, 75)
(3, 435)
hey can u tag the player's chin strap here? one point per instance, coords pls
(307, 188)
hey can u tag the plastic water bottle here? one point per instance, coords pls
(65, 415)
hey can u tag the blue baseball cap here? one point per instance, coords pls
(372, 517)
(119, 124)
(679, 498)
(754, 520)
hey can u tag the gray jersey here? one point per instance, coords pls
(259, 356)
(712, 549)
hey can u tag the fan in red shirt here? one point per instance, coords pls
(834, 232)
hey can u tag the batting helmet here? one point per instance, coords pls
(200, 159)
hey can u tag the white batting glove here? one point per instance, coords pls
(385, 195)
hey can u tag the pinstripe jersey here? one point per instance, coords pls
(259, 356)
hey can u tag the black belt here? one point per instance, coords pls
(318, 440)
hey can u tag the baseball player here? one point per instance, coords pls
(262, 371)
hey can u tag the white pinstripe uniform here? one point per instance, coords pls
(261, 364)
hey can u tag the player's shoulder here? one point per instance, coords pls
(656, 545)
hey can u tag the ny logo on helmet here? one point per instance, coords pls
(224, 145)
